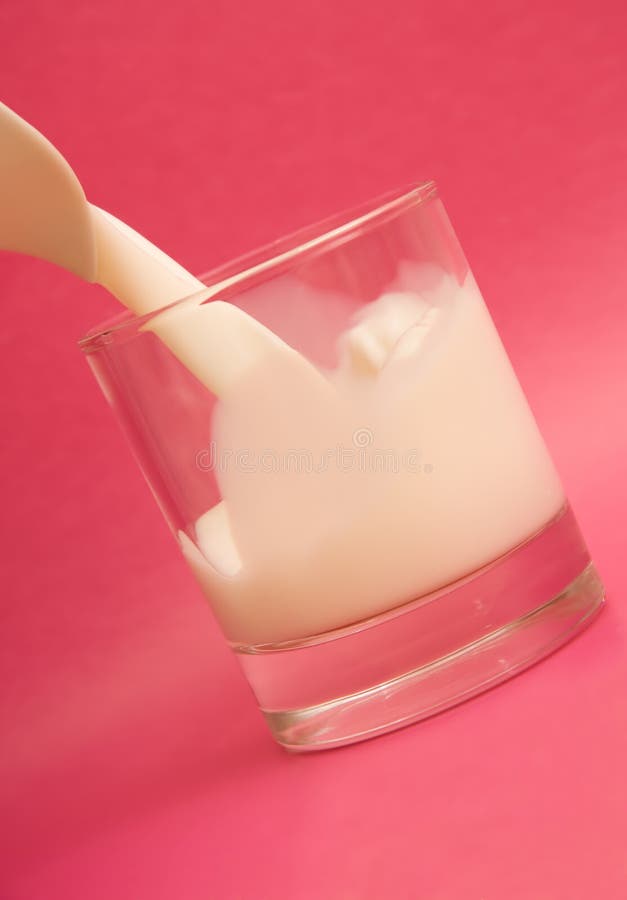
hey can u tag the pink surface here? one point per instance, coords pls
(133, 762)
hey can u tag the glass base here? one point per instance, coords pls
(421, 658)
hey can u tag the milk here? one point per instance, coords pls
(418, 463)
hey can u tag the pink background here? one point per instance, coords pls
(133, 762)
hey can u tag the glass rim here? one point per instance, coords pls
(275, 257)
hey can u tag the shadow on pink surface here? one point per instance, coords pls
(169, 716)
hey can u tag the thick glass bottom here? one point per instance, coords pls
(421, 658)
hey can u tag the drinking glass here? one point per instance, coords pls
(353, 474)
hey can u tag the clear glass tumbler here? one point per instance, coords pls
(338, 442)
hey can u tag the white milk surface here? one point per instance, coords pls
(412, 463)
